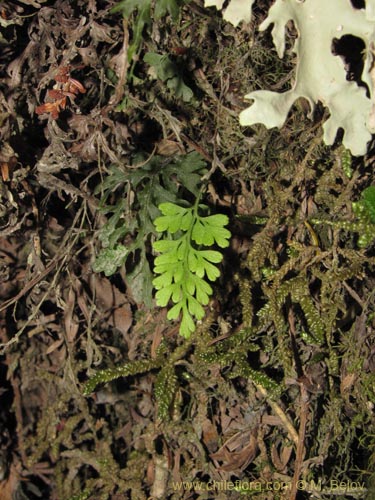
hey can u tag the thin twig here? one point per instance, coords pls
(301, 440)
(282, 416)
(300, 451)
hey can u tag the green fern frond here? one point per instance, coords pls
(183, 267)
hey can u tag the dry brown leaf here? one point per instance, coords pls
(87, 149)
(111, 301)
(55, 345)
(286, 454)
(210, 435)
(166, 147)
(280, 461)
(119, 63)
(15, 67)
(70, 323)
(347, 382)
(271, 420)
(99, 32)
(238, 460)
(33, 3)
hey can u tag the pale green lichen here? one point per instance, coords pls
(320, 74)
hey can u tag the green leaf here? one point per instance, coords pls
(204, 266)
(163, 280)
(203, 292)
(142, 19)
(162, 223)
(164, 67)
(112, 232)
(116, 178)
(140, 191)
(187, 220)
(177, 295)
(212, 271)
(221, 236)
(176, 270)
(203, 286)
(163, 268)
(167, 71)
(168, 258)
(218, 220)
(140, 282)
(198, 269)
(179, 271)
(172, 209)
(211, 255)
(188, 169)
(187, 326)
(208, 230)
(181, 251)
(200, 235)
(173, 219)
(164, 246)
(163, 295)
(190, 284)
(179, 87)
(162, 7)
(195, 308)
(193, 260)
(110, 235)
(174, 312)
(127, 7)
(110, 259)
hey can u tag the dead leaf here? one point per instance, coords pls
(70, 321)
(347, 383)
(166, 147)
(210, 435)
(33, 3)
(119, 63)
(110, 301)
(100, 32)
(237, 460)
(280, 461)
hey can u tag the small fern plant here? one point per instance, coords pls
(184, 266)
